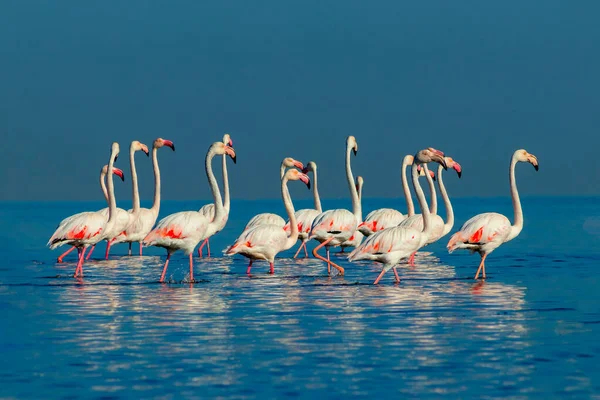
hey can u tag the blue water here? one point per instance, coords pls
(531, 330)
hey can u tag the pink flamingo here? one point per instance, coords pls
(485, 232)
(270, 218)
(184, 230)
(439, 227)
(305, 217)
(264, 242)
(357, 237)
(143, 218)
(208, 210)
(334, 227)
(391, 245)
(86, 229)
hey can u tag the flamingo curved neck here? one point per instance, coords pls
(282, 170)
(356, 206)
(449, 211)
(517, 226)
(433, 195)
(103, 185)
(422, 202)
(112, 202)
(226, 198)
(156, 203)
(214, 188)
(134, 182)
(316, 198)
(289, 209)
(410, 207)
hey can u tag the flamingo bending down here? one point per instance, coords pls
(391, 245)
(184, 230)
(485, 232)
(305, 217)
(264, 242)
(357, 236)
(86, 229)
(334, 227)
(103, 211)
(209, 209)
(439, 227)
(143, 218)
(270, 218)
(383, 218)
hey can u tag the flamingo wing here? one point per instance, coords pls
(266, 240)
(265, 219)
(173, 230)
(304, 219)
(340, 223)
(78, 228)
(380, 219)
(482, 229)
(401, 241)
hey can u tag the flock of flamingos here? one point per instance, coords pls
(389, 235)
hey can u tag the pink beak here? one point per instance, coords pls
(304, 178)
(439, 153)
(169, 144)
(231, 152)
(299, 165)
(118, 173)
(457, 168)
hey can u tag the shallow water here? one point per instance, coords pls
(531, 330)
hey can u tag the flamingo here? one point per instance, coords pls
(86, 229)
(439, 227)
(357, 237)
(184, 230)
(334, 227)
(391, 245)
(103, 211)
(383, 218)
(485, 232)
(264, 242)
(305, 217)
(209, 209)
(270, 218)
(143, 218)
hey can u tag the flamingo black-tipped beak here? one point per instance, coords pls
(304, 178)
(305, 170)
(169, 143)
(457, 168)
(441, 160)
(231, 153)
(116, 157)
(299, 165)
(118, 172)
(147, 153)
(355, 151)
(537, 167)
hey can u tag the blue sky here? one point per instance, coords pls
(294, 78)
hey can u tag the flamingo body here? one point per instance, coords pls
(337, 226)
(265, 219)
(483, 233)
(179, 231)
(416, 221)
(380, 219)
(79, 230)
(262, 242)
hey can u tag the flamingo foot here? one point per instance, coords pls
(162, 277)
(481, 266)
(249, 268)
(60, 258)
(329, 262)
(397, 276)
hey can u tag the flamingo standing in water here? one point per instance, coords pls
(103, 211)
(270, 218)
(383, 218)
(86, 229)
(391, 245)
(305, 217)
(209, 209)
(143, 218)
(485, 232)
(439, 227)
(357, 237)
(184, 230)
(334, 227)
(264, 242)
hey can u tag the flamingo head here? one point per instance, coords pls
(289, 162)
(523, 156)
(137, 146)
(352, 144)
(408, 160)
(421, 172)
(431, 155)
(227, 140)
(310, 167)
(118, 172)
(359, 183)
(454, 165)
(221, 148)
(160, 142)
(115, 150)
(295, 175)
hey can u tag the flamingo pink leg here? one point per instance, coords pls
(481, 266)
(397, 276)
(208, 248)
(329, 262)
(249, 267)
(299, 248)
(107, 249)
(272, 269)
(379, 277)
(192, 268)
(60, 258)
(305, 251)
(411, 260)
(90, 253)
(79, 269)
(162, 277)
(141, 248)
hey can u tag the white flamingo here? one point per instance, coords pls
(270, 218)
(485, 232)
(143, 218)
(391, 245)
(264, 242)
(209, 209)
(439, 227)
(103, 211)
(334, 227)
(86, 229)
(184, 230)
(357, 236)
